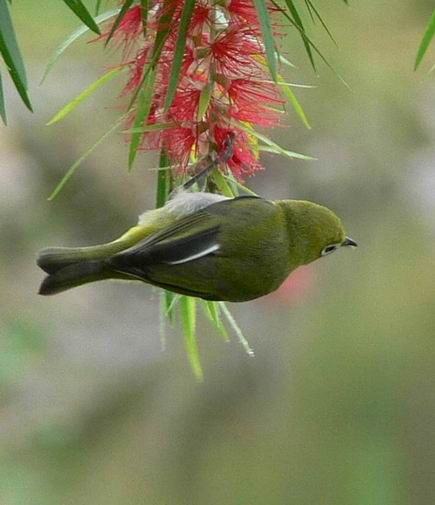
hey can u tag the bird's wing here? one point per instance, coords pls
(189, 238)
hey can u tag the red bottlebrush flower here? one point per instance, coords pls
(185, 105)
(244, 161)
(129, 30)
(223, 56)
(252, 101)
(179, 143)
(136, 70)
(200, 17)
(244, 11)
(235, 49)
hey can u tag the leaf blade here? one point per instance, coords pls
(2, 103)
(72, 38)
(180, 47)
(82, 13)
(269, 41)
(125, 6)
(188, 317)
(11, 53)
(429, 34)
(297, 21)
(86, 93)
(70, 172)
(236, 329)
(277, 148)
(143, 110)
(295, 102)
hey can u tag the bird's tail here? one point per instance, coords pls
(73, 275)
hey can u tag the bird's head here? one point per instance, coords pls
(314, 230)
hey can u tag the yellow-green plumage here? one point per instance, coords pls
(206, 246)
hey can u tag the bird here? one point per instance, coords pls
(205, 245)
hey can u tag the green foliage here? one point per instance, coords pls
(12, 57)
(82, 13)
(70, 106)
(427, 39)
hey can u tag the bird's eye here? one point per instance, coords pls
(329, 249)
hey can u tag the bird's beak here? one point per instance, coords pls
(349, 242)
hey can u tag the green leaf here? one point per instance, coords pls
(164, 180)
(313, 46)
(180, 47)
(11, 53)
(204, 101)
(188, 317)
(2, 103)
(269, 41)
(163, 29)
(297, 21)
(294, 101)
(70, 172)
(234, 181)
(311, 8)
(427, 39)
(97, 7)
(212, 310)
(124, 9)
(143, 110)
(151, 128)
(275, 148)
(222, 184)
(70, 106)
(72, 38)
(82, 13)
(236, 329)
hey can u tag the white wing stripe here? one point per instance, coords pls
(200, 254)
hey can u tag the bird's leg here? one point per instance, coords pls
(225, 154)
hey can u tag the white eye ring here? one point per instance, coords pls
(329, 249)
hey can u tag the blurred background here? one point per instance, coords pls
(338, 405)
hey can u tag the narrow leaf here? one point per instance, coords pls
(2, 103)
(427, 38)
(151, 128)
(188, 316)
(222, 184)
(143, 110)
(164, 180)
(77, 163)
(234, 181)
(236, 329)
(72, 38)
(295, 102)
(11, 53)
(314, 47)
(204, 101)
(124, 9)
(212, 310)
(276, 148)
(97, 7)
(269, 41)
(180, 46)
(70, 106)
(297, 21)
(312, 8)
(163, 30)
(82, 13)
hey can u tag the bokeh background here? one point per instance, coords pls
(337, 407)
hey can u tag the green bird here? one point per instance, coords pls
(205, 245)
